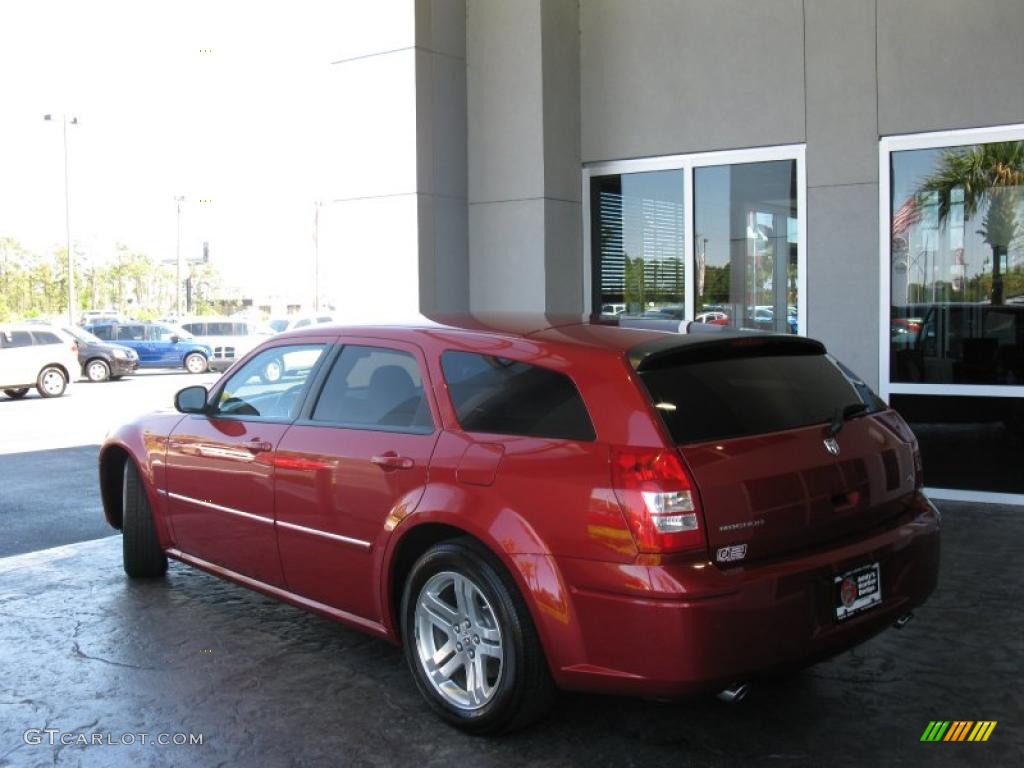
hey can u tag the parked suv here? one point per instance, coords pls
(228, 338)
(100, 360)
(34, 355)
(526, 506)
(158, 345)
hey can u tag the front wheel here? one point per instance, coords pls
(16, 394)
(470, 641)
(196, 363)
(141, 551)
(97, 370)
(51, 382)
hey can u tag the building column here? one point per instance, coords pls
(393, 223)
(523, 109)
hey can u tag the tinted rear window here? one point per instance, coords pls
(500, 396)
(713, 396)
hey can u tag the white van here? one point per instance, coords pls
(229, 338)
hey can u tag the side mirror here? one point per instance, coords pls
(191, 399)
(175, 339)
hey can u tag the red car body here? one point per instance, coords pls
(330, 519)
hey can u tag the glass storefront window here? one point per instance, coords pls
(745, 246)
(957, 265)
(639, 251)
(713, 238)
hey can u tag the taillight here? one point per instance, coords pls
(658, 498)
(74, 347)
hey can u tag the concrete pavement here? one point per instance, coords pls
(84, 650)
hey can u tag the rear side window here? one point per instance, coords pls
(18, 339)
(729, 392)
(375, 388)
(500, 396)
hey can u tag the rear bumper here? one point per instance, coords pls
(672, 629)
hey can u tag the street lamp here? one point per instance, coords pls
(67, 218)
(179, 199)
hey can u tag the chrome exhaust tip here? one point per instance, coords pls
(903, 620)
(735, 694)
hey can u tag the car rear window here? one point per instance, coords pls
(500, 396)
(729, 391)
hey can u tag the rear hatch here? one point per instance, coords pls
(755, 417)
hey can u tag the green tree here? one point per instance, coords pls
(989, 174)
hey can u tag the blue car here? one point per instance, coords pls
(158, 345)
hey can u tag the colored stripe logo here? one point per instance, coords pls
(958, 730)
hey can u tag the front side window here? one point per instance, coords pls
(272, 384)
(45, 337)
(18, 339)
(103, 332)
(375, 388)
(500, 396)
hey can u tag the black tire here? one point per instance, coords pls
(524, 691)
(52, 382)
(97, 370)
(16, 394)
(196, 363)
(143, 557)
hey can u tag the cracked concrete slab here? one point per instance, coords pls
(85, 650)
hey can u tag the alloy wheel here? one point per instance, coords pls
(458, 640)
(53, 382)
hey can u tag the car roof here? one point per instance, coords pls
(563, 331)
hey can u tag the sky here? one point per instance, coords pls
(227, 102)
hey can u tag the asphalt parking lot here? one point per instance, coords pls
(85, 651)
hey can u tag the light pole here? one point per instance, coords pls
(179, 199)
(67, 218)
(316, 255)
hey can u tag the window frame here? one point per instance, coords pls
(687, 163)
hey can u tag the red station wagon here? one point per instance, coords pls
(526, 504)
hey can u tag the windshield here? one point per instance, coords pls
(83, 335)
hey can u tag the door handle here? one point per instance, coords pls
(391, 460)
(259, 446)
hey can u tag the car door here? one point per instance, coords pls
(357, 453)
(220, 465)
(19, 362)
(166, 350)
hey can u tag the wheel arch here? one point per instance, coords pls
(536, 576)
(112, 461)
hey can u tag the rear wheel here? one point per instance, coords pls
(97, 370)
(470, 641)
(196, 363)
(141, 550)
(51, 382)
(16, 394)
